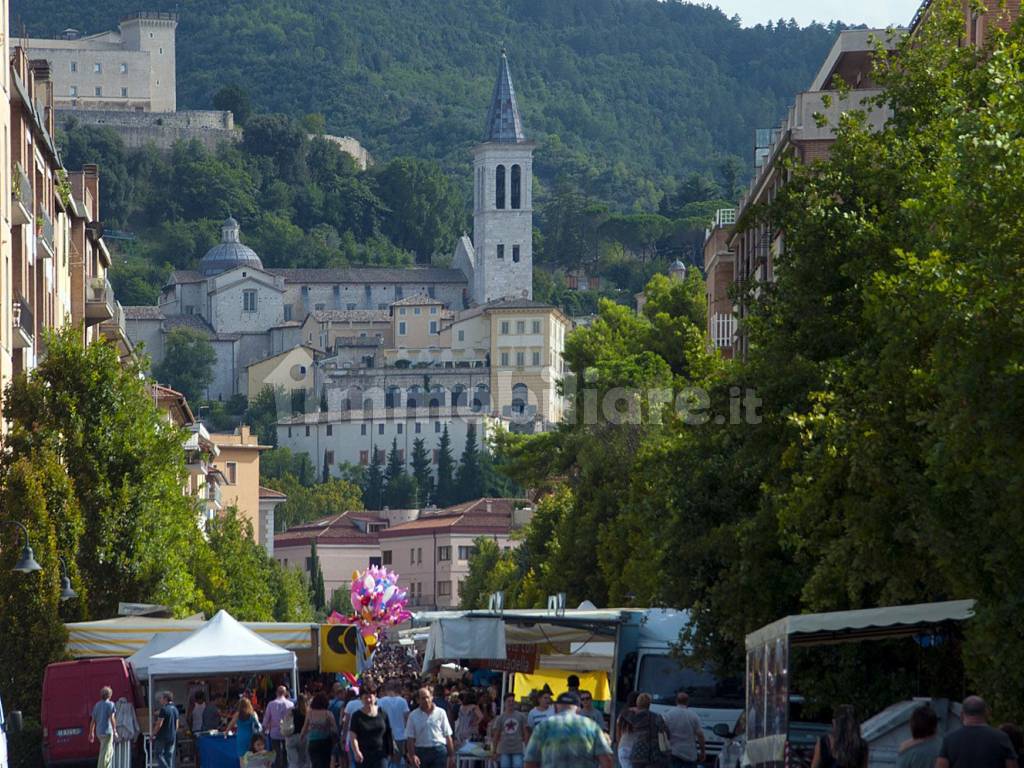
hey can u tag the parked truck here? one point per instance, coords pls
(648, 659)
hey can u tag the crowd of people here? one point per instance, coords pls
(397, 718)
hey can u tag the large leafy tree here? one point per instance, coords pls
(188, 361)
(427, 211)
(140, 541)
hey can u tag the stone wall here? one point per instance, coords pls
(162, 129)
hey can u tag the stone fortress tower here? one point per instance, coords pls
(499, 260)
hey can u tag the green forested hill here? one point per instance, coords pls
(639, 91)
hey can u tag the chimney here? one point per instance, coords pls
(490, 507)
(91, 175)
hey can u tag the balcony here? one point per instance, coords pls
(213, 496)
(44, 232)
(99, 300)
(24, 324)
(21, 196)
(114, 330)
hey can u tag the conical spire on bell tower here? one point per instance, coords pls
(504, 125)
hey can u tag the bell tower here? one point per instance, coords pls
(503, 200)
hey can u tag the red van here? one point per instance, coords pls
(70, 689)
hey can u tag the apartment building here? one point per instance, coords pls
(39, 279)
(131, 68)
(978, 21)
(719, 275)
(755, 248)
(204, 480)
(429, 548)
(92, 298)
(238, 460)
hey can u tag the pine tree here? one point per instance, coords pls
(421, 472)
(469, 479)
(444, 490)
(399, 488)
(316, 580)
(373, 488)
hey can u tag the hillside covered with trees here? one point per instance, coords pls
(636, 91)
(644, 113)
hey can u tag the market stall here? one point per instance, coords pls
(770, 667)
(220, 647)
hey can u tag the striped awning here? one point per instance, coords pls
(124, 636)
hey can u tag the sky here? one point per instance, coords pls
(874, 13)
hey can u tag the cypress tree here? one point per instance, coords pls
(373, 488)
(316, 580)
(421, 472)
(469, 479)
(399, 488)
(444, 490)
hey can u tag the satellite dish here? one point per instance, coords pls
(586, 605)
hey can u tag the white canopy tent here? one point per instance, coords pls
(221, 646)
(160, 643)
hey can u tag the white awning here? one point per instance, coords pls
(841, 626)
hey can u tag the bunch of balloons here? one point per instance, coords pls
(377, 602)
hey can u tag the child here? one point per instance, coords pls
(258, 756)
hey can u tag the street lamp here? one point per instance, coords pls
(66, 592)
(27, 562)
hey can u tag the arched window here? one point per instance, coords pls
(482, 398)
(499, 187)
(436, 397)
(414, 397)
(393, 397)
(353, 398)
(516, 183)
(460, 396)
(520, 397)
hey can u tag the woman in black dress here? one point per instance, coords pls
(370, 732)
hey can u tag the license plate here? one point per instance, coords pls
(64, 733)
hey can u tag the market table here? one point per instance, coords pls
(216, 751)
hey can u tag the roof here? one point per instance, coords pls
(517, 304)
(142, 313)
(372, 275)
(229, 253)
(486, 515)
(350, 315)
(184, 276)
(270, 493)
(336, 529)
(314, 352)
(504, 124)
(892, 621)
(199, 324)
(418, 300)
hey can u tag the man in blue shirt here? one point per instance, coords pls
(165, 730)
(102, 725)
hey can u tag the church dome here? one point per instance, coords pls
(229, 252)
